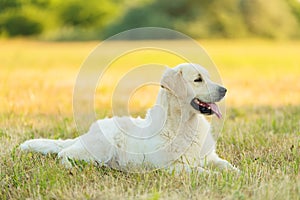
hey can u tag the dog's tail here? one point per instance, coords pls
(46, 145)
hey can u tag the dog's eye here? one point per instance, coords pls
(199, 79)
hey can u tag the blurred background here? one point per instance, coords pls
(254, 43)
(98, 19)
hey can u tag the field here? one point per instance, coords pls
(261, 135)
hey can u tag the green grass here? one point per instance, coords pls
(261, 135)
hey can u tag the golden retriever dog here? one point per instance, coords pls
(174, 135)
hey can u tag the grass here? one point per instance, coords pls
(260, 136)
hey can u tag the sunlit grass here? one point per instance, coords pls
(261, 133)
(255, 72)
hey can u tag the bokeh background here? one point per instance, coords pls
(254, 43)
(98, 19)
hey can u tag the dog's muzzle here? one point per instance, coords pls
(206, 108)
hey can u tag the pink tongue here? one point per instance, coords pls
(215, 109)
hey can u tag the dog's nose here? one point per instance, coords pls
(222, 90)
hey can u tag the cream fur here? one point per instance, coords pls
(173, 135)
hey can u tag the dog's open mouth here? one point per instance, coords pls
(206, 108)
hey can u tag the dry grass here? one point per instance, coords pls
(261, 133)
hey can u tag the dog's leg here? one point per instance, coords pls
(70, 148)
(214, 160)
(75, 151)
(45, 146)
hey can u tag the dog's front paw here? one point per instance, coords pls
(64, 160)
(66, 163)
(235, 169)
(230, 167)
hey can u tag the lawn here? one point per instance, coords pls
(261, 135)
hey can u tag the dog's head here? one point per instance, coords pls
(191, 84)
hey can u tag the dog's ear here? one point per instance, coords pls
(173, 81)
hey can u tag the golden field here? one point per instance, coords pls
(36, 74)
(260, 136)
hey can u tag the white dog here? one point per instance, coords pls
(174, 134)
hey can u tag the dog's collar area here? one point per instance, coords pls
(206, 108)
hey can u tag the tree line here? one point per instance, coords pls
(99, 19)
